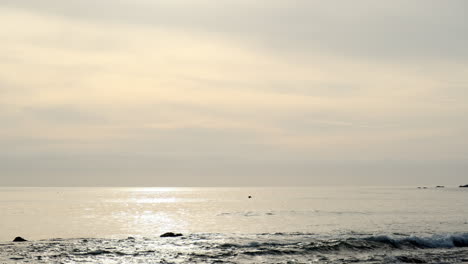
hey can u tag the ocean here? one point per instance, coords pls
(224, 225)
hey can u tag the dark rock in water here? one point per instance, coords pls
(406, 259)
(19, 239)
(440, 186)
(170, 234)
(463, 186)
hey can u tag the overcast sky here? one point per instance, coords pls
(233, 93)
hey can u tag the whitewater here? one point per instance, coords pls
(224, 225)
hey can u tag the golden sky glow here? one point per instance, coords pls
(218, 93)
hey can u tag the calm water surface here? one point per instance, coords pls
(41, 213)
(227, 216)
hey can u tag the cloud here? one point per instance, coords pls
(399, 30)
(239, 88)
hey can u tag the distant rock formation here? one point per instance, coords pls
(440, 186)
(19, 239)
(170, 234)
(463, 186)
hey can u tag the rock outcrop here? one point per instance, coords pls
(19, 239)
(170, 234)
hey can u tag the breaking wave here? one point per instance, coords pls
(435, 241)
(235, 248)
(369, 243)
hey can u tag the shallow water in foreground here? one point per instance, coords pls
(261, 248)
(222, 225)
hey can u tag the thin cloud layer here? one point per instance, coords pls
(238, 93)
(406, 30)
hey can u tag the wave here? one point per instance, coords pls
(368, 243)
(243, 248)
(435, 241)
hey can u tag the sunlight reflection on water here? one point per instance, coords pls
(155, 200)
(120, 212)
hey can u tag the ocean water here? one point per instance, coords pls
(222, 225)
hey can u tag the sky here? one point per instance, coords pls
(233, 93)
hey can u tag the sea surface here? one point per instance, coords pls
(224, 225)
